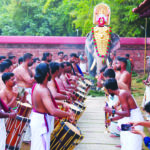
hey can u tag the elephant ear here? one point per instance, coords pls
(89, 44)
(115, 42)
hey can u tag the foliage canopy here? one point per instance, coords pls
(66, 17)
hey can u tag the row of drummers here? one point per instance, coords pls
(65, 135)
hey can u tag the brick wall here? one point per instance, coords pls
(37, 50)
(37, 45)
(136, 53)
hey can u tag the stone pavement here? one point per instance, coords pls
(92, 126)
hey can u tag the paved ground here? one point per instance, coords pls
(92, 127)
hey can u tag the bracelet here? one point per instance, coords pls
(113, 112)
(9, 108)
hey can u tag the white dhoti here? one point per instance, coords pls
(41, 127)
(83, 67)
(2, 134)
(27, 136)
(28, 98)
(113, 127)
(146, 97)
(130, 141)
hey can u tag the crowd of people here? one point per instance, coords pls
(123, 117)
(45, 84)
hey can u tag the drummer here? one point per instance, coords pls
(2, 58)
(44, 108)
(4, 67)
(123, 77)
(52, 84)
(60, 57)
(4, 114)
(69, 74)
(47, 57)
(73, 60)
(9, 94)
(24, 75)
(63, 78)
(62, 87)
(12, 58)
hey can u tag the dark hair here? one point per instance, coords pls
(4, 65)
(11, 57)
(68, 63)
(36, 59)
(65, 55)
(54, 66)
(27, 56)
(9, 61)
(41, 72)
(122, 59)
(6, 76)
(103, 69)
(73, 55)
(20, 60)
(111, 84)
(127, 55)
(62, 65)
(2, 57)
(45, 55)
(61, 52)
(147, 107)
(109, 73)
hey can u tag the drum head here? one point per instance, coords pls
(24, 104)
(73, 128)
(88, 82)
(80, 89)
(82, 84)
(80, 94)
(75, 107)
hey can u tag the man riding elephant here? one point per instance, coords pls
(100, 41)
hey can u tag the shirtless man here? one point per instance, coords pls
(130, 113)
(36, 61)
(44, 108)
(4, 114)
(123, 77)
(4, 67)
(73, 61)
(52, 85)
(2, 58)
(60, 57)
(12, 58)
(64, 79)
(24, 75)
(9, 94)
(65, 58)
(47, 57)
(62, 88)
(20, 60)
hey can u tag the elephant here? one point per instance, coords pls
(95, 63)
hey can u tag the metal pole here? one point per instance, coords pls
(145, 45)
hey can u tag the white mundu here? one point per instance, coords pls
(41, 127)
(130, 141)
(2, 134)
(146, 97)
(113, 128)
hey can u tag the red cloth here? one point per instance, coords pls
(57, 87)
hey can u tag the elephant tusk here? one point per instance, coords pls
(93, 65)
